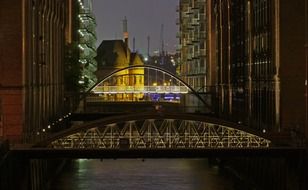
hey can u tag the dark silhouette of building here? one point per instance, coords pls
(111, 54)
(32, 38)
(169, 64)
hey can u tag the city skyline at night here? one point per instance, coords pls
(145, 18)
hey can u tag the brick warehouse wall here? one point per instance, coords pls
(11, 87)
(32, 39)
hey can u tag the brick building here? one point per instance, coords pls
(32, 39)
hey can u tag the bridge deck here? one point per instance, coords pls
(155, 153)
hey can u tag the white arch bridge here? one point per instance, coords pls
(156, 131)
(141, 83)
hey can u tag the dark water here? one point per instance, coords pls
(135, 174)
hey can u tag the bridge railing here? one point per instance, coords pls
(140, 89)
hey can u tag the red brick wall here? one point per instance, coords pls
(11, 68)
(12, 111)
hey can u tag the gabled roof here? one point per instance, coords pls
(135, 59)
(109, 51)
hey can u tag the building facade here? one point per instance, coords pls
(113, 55)
(86, 40)
(260, 59)
(195, 63)
(116, 54)
(238, 53)
(32, 38)
(192, 37)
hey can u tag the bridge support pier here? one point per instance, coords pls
(18, 172)
(13, 172)
(304, 172)
(42, 171)
(274, 173)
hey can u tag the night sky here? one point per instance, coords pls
(145, 17)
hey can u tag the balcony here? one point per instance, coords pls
(195, 40)
(202, 17)
(202, 52)
(190, 27)
(189, 11)
(195, 22)
(195, 55)
(189, 57)
(189, 41)
(202, 35)
(195, 8)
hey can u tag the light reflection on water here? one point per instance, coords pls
(135, 174)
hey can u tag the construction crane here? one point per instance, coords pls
(134, 44)
(162, 51)
(148, 46)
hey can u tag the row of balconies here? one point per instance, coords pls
(193, 41)
(87, 25)
(87, 38)
(195, 55)
(191, 9)
(192, 34)
(193, 71)
(87, 52)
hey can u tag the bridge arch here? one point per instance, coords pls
(196, 94)
(157, 130)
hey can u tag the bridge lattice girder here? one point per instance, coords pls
(141, 131)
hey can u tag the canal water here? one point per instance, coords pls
(138, 174)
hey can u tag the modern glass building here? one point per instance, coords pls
(86, 42)
(194, 67)
(192, 37)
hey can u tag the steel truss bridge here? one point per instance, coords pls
(154, 134)
(156, 131)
